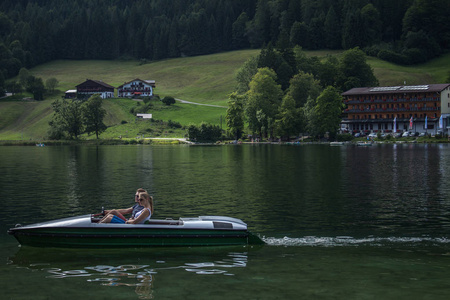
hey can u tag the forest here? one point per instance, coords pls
(36, 31)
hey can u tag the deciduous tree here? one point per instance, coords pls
(355, 71)
(245, 74)
(235, 115)
(36, 87)
(290, 120)
(93, 115)
(263, 100)
(326, 114)
(302, 86)
(51, 84)
(67, 119)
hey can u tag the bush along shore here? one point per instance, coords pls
(146, 141)
(182, 141)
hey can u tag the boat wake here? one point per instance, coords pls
(351, 241)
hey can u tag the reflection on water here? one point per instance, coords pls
(66, 264)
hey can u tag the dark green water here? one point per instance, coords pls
(340, 222)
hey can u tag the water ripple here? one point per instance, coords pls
(351, 241)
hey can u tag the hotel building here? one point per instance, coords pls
(374, 109)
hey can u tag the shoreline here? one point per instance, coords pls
(183, 141)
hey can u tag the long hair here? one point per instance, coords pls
(148, 198)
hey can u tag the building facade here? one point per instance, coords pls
(92, 87)
(136, 88)
(416, 108)
(70, 94)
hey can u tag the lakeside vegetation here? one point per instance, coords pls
(197, 50)
(180, 77)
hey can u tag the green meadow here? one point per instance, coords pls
(203, 79)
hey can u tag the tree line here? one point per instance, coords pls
(283, 93)
(34, 31)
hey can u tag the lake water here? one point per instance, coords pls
(339, 222)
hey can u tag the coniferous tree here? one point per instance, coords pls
(332, 30)
(238, 32)
(38, 31)
(371, 31)
(299, 34)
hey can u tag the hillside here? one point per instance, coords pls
(203, 79)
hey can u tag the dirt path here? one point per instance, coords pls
(189, 102)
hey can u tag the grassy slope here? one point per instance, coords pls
(204, 79)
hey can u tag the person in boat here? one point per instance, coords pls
(126, 211)
(141, 216)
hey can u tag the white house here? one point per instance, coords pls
(136, 88)
(144, 116)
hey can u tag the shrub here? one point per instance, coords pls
(173, 124)
(55, 133)
(204, 133)
(392, 56)
(415, 55)
(344, 137)
(168, 100)
(142, 109)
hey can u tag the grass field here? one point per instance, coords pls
(203, 79)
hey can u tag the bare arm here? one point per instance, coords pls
(139, 219)
(122, 211)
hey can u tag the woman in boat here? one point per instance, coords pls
(124, 211)
(141, 216)
(145, 214)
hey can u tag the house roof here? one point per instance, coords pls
(99, 82)
(400, 89)
(150, 82)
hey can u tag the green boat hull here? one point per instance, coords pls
(110, 236)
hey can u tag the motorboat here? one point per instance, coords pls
(86, 232)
